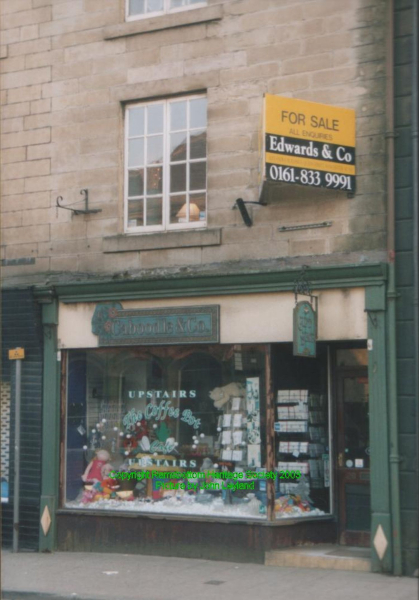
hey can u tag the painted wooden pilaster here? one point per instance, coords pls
(379, 430)
(50, 428)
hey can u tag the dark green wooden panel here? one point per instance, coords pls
(408, 452)
(405, 376)
(21, 326)
(405, 340)
(404, 268)
(407, 414)
(408, 490)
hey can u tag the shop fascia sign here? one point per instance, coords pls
(116, 326)
(309, 144)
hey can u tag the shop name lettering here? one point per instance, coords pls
(159, 412)
(161, 326)
(294, 147)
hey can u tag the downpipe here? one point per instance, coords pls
(391, 302)
(415, 163)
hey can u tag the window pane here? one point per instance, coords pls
(197, 176)
(198, 144)
(135, 213)
(178, 178)
(177, 3)
(177, 147)
(197, 207)
(154, 5)
(178, 209)
(136, 183)
(136, 7)
(198, 113)
(177, 116)
(136, 152)
(155, 180)
(154, 211)
(155, 119)
(136, 122)
(155, 149)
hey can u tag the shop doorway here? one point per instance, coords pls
(353, 456)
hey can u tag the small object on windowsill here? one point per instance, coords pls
(194, 213)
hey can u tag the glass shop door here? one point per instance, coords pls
(353, 457)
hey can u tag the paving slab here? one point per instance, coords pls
(104, 576)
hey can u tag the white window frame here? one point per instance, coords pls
(166, 10)
(166, 225)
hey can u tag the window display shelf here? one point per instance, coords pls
(300, 443)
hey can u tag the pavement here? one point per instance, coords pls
(96, 576)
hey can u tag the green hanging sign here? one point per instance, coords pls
(305, 330)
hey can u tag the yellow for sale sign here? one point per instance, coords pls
(308, 143)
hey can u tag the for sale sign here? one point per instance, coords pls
(310, 144)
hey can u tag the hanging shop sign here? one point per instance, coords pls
(309, 144)
(305, 330)
(179, 325)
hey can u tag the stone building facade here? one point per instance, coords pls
(72, 72)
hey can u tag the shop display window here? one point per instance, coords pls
(169, 430)
(302, 442)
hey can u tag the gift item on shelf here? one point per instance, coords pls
(222, 395)
(318, 434)
(287, 487)
(291, 396)
(315, 450)
(303, 467)
(316, 417)
(298, 411)
(317, 401)
(291, 426)
(294, 447)
(253, 455)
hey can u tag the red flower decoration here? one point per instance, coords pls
(112, 313)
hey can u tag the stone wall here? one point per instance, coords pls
(67, 67)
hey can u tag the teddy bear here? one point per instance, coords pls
(97, 468)
(221, 395)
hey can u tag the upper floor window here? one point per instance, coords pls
(150, 8)
(166, 165)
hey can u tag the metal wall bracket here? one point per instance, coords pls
(79, 211)
(308, 226)
(373, 319)
(240, 204)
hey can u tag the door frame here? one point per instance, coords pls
(346, 537)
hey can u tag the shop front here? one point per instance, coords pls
(190, 427)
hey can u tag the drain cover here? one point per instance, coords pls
(214, 582)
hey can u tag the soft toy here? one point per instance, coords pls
(221, 395)
(97, 468)
(109, 487)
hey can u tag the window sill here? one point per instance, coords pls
(159, 241)
(169, 21)
(201, 518)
